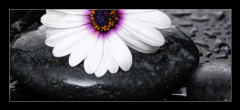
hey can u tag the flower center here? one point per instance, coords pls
(104, 20)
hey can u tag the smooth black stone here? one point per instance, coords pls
(211, 82)
(151, 77)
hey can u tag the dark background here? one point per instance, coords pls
(210, 29)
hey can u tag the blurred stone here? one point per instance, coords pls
(210, 82)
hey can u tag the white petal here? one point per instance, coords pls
(135, 43)
(136, 11)
(144, 32)
(55, 35)
(67, 45)
(50, 11)
(64, 20)
(120, 52)
(156, 18)
(92, 61)
(102, 68)
(75, 11)
(82, 50)
(111, 63)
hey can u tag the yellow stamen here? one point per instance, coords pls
(93, 12)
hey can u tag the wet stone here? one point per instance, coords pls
(151, 77)
(210, 82)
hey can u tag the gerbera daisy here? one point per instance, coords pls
(101, 37)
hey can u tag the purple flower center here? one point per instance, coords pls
(104, 20)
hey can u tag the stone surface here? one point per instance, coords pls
(151, 76)
(210, 82)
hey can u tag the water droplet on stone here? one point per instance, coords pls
(219, 15)
(209, 34)
(201, 43)
(185, 24)
(192, 31)
(199, 18)
(70, 97)
(221, 56)
(216, 32)
(218, 43)
(227, 32)
(208, 54)
(180, 13)
(225, 49)
(206, 60)
(64, 80)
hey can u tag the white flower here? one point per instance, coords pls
(101, 36)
